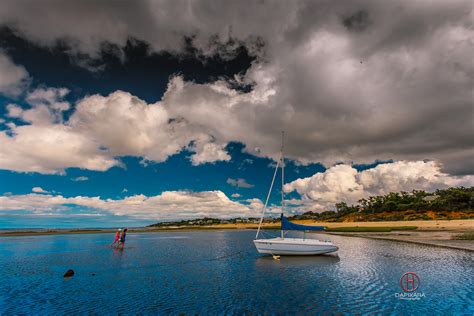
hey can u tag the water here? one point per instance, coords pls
(219, 272)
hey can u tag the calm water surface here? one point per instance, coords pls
(220, 272)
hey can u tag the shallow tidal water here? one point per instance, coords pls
(220, 272)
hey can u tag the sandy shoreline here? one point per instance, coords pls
(430, 238)
(435, 233)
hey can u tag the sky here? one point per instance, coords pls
(126, 114)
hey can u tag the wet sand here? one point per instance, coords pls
(433, 238)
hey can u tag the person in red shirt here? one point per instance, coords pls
(117, 237)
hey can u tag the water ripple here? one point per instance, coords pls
(221, 273)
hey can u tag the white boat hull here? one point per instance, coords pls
(294, 246)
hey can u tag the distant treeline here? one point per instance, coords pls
(213, 221)
(458, 199)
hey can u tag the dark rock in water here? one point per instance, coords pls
(93, 274)
(69, 273)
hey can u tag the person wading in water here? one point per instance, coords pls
(117, 237)
(122, 238)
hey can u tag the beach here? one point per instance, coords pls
(445, 239)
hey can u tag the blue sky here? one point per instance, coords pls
(122, 119)
(176, 173)
(133, 178)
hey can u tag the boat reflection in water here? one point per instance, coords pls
(267, 262)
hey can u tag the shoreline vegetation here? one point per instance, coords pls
(465, 236)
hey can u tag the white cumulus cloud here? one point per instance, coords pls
(39, 190)
(165, 206)
(100, 129)
(345, 183)
(209, 152)
(50, 149)
(51, 97)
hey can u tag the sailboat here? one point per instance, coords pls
(289, 246)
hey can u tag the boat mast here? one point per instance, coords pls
(282, 177)
(268, 197)
(281, 161)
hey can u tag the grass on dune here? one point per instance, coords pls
(362, 229)
(465, 236)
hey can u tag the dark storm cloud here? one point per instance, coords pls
(135, 67)
(350, 81)
(358, 21)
